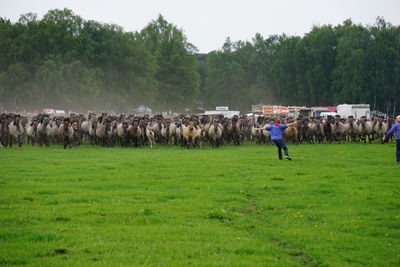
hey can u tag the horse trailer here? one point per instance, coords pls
(355, 110)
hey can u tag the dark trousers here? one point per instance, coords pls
(398, 150)
(281, 145)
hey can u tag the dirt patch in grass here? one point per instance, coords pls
(61, 251)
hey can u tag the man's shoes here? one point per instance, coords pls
(288, 158)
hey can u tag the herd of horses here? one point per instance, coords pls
(186, 130)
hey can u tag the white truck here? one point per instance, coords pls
(355, 110)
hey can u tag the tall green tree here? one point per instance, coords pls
(350, 74)
(383, 66)
(320, 50)
(177, 76)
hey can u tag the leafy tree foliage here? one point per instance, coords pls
(177, 77)
(67, 62)
(328, 66)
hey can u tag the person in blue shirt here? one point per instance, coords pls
(395, 128)
(277, 131)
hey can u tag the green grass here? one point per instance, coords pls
(333, 205)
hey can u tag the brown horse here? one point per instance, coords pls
(135, 132)
(338, 131)
(189, 135)
(292, 134)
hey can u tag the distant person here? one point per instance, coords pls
(395, 128)
(277, 131)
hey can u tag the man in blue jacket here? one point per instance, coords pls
(395, 128)
(277, 131)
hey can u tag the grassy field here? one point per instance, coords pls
(333, 205)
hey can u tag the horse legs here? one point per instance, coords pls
(65, 141)
(193, 143)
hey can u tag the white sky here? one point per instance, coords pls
(207, 23)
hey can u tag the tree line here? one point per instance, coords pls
(67, 62)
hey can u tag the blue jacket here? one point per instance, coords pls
(395, 128)
(276, 131)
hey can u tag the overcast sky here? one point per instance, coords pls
(207, 23)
